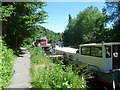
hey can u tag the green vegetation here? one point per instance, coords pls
(42, 31)
(6, 65)
(46, 74)
(112, 9)
(90, 25)
(20, 21)
(21, 25)
(86, 27)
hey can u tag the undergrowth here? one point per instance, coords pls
(46, 74)
(6, 64)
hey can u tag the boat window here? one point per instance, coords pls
(92, 51)
(108, 51)
(96, 51)
(85, 51)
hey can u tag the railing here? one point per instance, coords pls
(112, 71)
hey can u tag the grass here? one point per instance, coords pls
(46, 74)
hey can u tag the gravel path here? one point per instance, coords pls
(21, 78)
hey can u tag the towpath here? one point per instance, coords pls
(21, 78)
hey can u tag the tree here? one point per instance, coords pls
(20, 23)
(91, 23)
(68, 35)
(112, 9)
(87, 27)
(42, 31)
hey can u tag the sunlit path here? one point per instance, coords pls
(21, 78)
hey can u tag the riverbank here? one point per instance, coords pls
(46, 74)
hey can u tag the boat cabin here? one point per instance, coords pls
(43, 42)
(105, 56)
(67, 52)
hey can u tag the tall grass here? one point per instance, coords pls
(6, 65)
(46, 74)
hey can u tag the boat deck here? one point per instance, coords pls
(66, 49)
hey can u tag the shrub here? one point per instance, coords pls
(46, 74)
(6, 65)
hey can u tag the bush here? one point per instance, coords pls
(6, 65)
(46, 74)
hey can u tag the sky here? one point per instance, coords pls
(58, 13)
